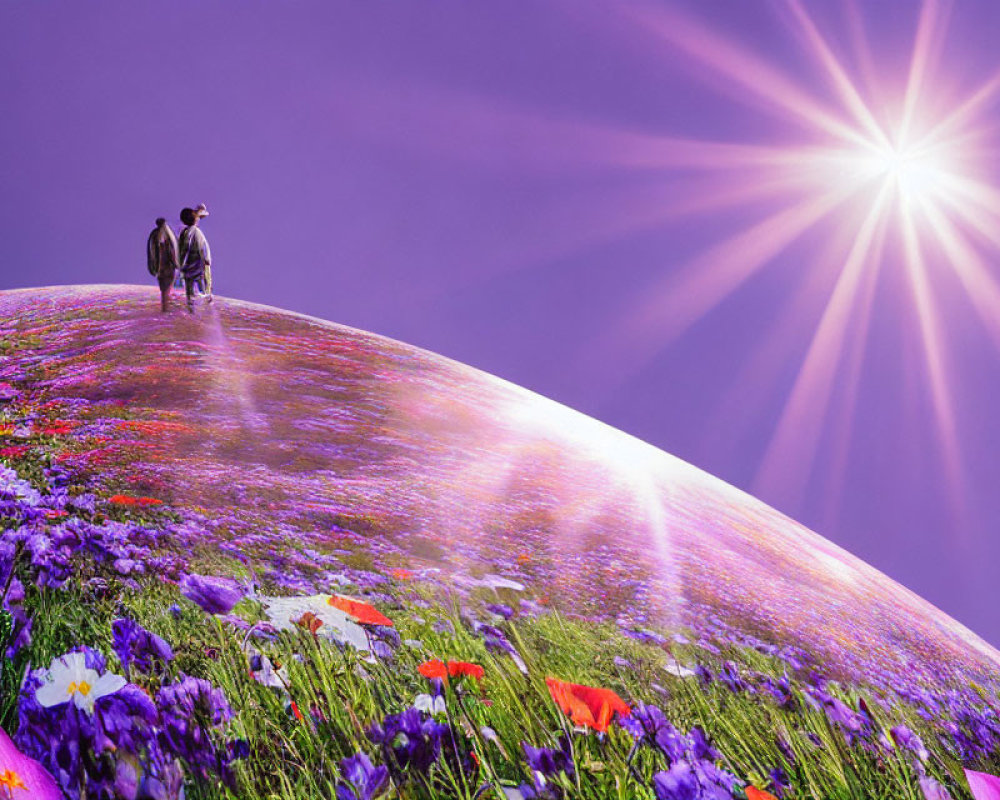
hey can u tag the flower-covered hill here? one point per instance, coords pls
(299, 447)
(246, 554)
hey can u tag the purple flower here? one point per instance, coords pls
(82, 750)
(409, 740)
(779, 782)
(133, 644)
(501, 610)
(366, 780)
(780, 690)
(546, 763)
(983, 785)
(729, 675)
(932, 790)
(700, 747)
(193, 715)
(215, 595)
(908, 740)
(677, 783)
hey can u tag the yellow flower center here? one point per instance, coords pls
(82, 687)
(11, 780)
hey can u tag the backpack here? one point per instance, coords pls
(152, 253)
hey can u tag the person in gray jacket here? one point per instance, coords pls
(195, 255)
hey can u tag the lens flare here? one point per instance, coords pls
(904, 192)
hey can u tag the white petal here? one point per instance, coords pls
(52, 694)
(424, 702)
(73, 663)
(678, 670)
(108, 683)
(84, 702)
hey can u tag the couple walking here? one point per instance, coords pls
(188, 259)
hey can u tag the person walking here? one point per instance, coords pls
(195, 255)
(161, 259)
(199, 212)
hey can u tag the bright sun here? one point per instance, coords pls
(878, 172)
(917, 177)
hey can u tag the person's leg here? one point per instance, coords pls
(189, 290)
(208, 281)
(165, 293)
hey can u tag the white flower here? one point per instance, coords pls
(285, 613)
(678, 670)
(500, 582)
(267, 674)
(69, 678)
(432, 705)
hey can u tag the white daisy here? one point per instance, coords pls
(68, 678)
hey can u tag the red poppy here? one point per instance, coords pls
(461, 669)
(590, 706)
(55, 514)
(759, 794)
(310, 622)
(434, 668)
(401, 574)
(128, 500)
(362, 612)
(296, 712)
(56, 427)
(14, 452)
(456, 669)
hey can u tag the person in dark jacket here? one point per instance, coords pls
(161, 259)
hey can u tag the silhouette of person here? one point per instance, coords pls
(161, 259)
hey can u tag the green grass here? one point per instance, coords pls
(340, 695)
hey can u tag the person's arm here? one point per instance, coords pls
(151, 264)
(206, 252)
(174, 254)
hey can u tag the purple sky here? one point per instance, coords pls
(494, 182)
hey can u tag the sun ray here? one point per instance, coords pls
(752, 389)
(910, 159)
(789, 458)
(980, 286)
(966, 111)
(959, 192)
(849, 380)
(675, 304)
(746, 71)
(841, 82)
(930, 33)
(863, 52)
(931, 342)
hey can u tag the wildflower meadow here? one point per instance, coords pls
(248, 554)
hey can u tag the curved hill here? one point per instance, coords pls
(292, 436)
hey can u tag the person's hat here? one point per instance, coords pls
(200, 210)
